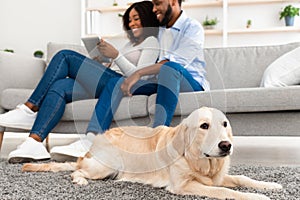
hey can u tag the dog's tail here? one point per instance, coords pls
(52, 166)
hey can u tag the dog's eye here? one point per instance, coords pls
(204, 126)
(225, 124)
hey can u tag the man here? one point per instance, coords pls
(181, 68)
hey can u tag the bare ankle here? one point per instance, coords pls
(35, 137)
(31, 106)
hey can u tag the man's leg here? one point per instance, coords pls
(172, 79)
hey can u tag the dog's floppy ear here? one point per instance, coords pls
(193, 120)
(177, 146)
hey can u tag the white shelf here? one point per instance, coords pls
(217, 3)
(257, 2)
(254, 30)
(108, 9)
(265, 30)
(213, 32)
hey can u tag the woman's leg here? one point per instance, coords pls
(106, 106)
(90, 74)
(172, 79)
(66, 63)
(51, 110)
(59, 68)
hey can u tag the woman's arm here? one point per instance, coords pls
(149, 53)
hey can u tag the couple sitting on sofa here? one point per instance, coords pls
(71, 76)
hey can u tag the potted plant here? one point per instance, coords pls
(288, 13)
(9, 50)
(38, 54)
(115, 3)
(249, 23)
(209, 23)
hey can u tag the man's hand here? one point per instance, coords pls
(129, 82)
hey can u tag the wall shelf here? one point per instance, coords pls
(265, 30)
(213, 32)
(257, 2)
(217, 3)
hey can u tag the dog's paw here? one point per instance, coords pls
(252, 196)
(274, 186)
(80, 181)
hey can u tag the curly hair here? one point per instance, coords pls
(147, 17)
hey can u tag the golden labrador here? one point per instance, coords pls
(191, 158)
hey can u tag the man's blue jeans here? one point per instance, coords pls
(172, 79)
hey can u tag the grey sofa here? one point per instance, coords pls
(234, 74)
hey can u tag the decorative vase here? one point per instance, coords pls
(289, 21)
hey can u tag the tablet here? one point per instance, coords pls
(90, 44)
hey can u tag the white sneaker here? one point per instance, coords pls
(22, 117)
(73, 150)
(30, 150)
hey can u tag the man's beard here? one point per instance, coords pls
(167, 17)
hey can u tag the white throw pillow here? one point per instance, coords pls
(284, 71)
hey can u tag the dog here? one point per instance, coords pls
(192, 158)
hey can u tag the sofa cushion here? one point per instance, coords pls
(129, 108)
(284, 71)
(11, 97)
(237, 100)
(19, 71)
(133, 107)
(241, 67)
(53, 48)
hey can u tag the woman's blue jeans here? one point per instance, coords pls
(171, 80)
(70, 76)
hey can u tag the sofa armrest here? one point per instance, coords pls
(18, 71)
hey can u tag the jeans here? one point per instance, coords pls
(171, 80)
(70, 76)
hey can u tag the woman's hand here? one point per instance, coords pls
(129, 82)
(107, 49)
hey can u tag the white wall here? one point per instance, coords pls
(28, 25)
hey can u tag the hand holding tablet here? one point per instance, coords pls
(90, 44)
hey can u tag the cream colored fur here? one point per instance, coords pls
(186, 159)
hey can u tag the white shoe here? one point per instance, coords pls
(22, 117)
(30, 150)
(73, 150)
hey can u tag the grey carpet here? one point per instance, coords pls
(47, 185)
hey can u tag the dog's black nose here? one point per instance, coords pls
(225, 146)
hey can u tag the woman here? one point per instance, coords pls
(71, 76)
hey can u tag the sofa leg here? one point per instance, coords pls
(1, 139)
(47, 144)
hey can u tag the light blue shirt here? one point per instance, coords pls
(187, 47)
